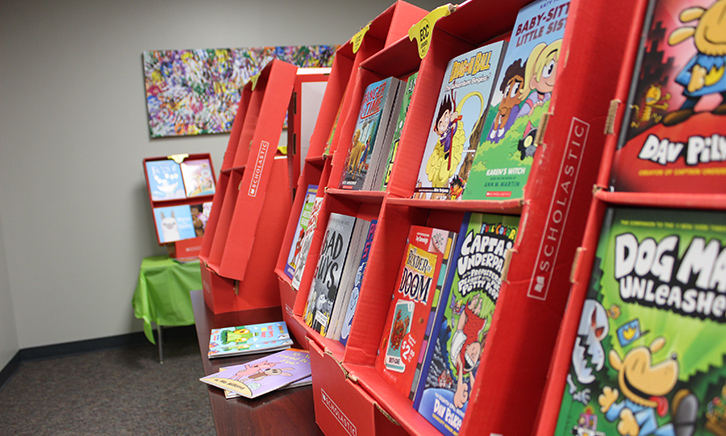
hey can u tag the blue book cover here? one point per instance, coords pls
(165, 180)
(174, 223)
(247, 339)
(353, 301)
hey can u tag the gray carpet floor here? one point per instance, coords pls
(121, 391)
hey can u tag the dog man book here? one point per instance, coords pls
(648, 358)
(672, 138)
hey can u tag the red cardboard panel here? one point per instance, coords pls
(234, 136)
(219, 292)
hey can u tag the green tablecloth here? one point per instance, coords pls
(162, 292)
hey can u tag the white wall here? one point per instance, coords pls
(74, 215)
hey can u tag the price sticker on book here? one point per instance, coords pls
(357, 39)
(422, 30)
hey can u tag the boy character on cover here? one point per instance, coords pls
(508, 109)
(448, 150)
(704, 73)
(466, 348)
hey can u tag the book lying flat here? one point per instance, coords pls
(263, 375)
(249, 339)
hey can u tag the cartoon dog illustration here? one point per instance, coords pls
(644, 385)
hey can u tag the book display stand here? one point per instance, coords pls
(654, 194)
(245, 230)
(350, 395)
(180, 189)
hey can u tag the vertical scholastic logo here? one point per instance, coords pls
(559, 209)
(338, 414)
(257, 170)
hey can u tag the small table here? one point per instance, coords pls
(162, 294)
(284, 412)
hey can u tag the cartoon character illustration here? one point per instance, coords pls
(456, 188)
(653, 99)
(250, 369)
(238, 335)
(704, 73)
(356, 153)
(199, 219)
(467, 344)
(508, 108)
(587, 424)
(399, 329)
(643, 385)
(526, 146)
(716, 414)
(169, 228)
(588, 355)
(448, 150)
(540, 75)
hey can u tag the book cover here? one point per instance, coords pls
(370, 129)
(405, 103)
(302, 225)
(411, 303)
(200, 215)
(198, 177)
(328, 272)
(347, 280)
(307, 381)
(174, 223)
(522, 95)
(649, 352)
(165, 180)
(307, 238)
(355, 292)
(247, 339)
(263, 375)
(460, 110)
(463, 319)
(672, 137)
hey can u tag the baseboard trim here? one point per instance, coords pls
(81, 347)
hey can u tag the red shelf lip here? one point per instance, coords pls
(710, 201)
(362, 196)
(399, 59)
(329, 346)
(509, 207)
(317, 160)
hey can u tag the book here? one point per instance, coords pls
(307, 381)
(376, 109)
(174, 223)
(355, 292)
(302, 225)
(248, 339)
(464, 97)
(200, 215)
(529, 71)
(347, 280)
(412, 301)
(263, 375)
(672, 137)
(165, 180)
(307, 238)
(403, 111)
(650, 335)
(328, 271)
(463, 319)
(198, 177)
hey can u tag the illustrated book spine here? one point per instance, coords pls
(403, 111)
(301, 259)
(293, 257)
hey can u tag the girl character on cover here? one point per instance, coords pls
(540, 74)
(447, 152)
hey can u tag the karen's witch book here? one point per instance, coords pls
(328, 272)
(460, 110)
(649, 353)
(248, 339)
(672, 137)
(418, 285)
(263, 375)
(376, 109)
(522, 95)
(463, 319)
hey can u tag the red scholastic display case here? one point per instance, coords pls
(511, 370)
(180, 188)
(389, 26)
(244, 232)
(645, 289)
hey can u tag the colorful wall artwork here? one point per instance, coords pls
(196, 92)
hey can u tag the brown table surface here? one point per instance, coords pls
(286, 412)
